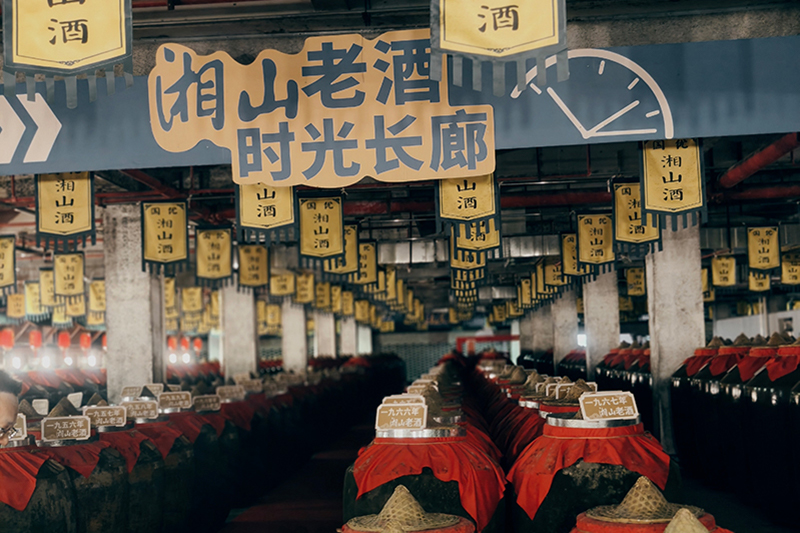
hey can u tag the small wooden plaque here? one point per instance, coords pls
(404, 398)
(417, 389)
(141, 409)
(175, 400)
(155, 388)
(401, 416)
(252, 385)
(131, 392)
(231, 392)
(562, 389)
(173, 388)
(66, 428)
(107, 415)
(209, 402)
(551, 389)
(611, 405)
(41, 406)
(21, 425)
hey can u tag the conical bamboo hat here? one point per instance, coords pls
(685, 522)
(400, 514)
(644, 504)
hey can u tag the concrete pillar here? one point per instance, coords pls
(675, 305)
(134, 305)
(364, 340)
(324, 334)
(294, 346)
(348, 344)
(239, 331)
(526, 332)
(564, 311)
(601, 316)
(514, 345)
(542, 326)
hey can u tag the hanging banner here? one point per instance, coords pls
(391, 283)
(15, 307)
(68, 271)
(213, 305)
(165, 237)
(321, 230)
(60, 318)
(282, 284)
(569, 257)
(790, 268)
(76, 307)
(47, 286)
(467, 260)
(482, 236)
(501, 33)
(399, 303)
(305, 289)
(708, 289)
(672, 181)
(213, 250)
(8, 264)
(274, 315)
(33, 305)
(97, 295)
(336, 299)
(95, 320)
(367, 264)
(264, 212)
(348, 263)
(362, 311)
(322, 296)
(261, 317)
(763, 248)
(64, 210)
(630, 234)
(723, 271)
(525, 293)
(253, 266)
(542, 288)
(348, 303)
(595, 241)
(513, 310)
(758, 281)
(461, 204)
(170, 300)
(66, 38)
(553, 275)
(499, 313)
(191, 300)
(635, 280)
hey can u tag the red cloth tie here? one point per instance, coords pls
(161, 435)
(217, 421)
(240, 413)
(18, 471)
(127, 443)
(188, 423)
(82, 458)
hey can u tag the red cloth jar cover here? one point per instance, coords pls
(71, 376)
(559, 408)
(785, 363)
(127, 443)
(240, 413)
(161, 434)
(698, 360)
(18, 471)
(217, 421)
(529, 431)
(755, 360)
(45, 379)
(590, 525)
(726, 358)
(483, 442)
(480, 480)
(559, 448)
(463, 526)
(189, 423)
(82, 458)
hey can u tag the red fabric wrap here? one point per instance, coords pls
(727, 357)
(284, 400)
(483, 442)
(480, 480)
(695, 363)
(161, 435)
(217, 421)
(240, 413)
(590, 525)
(82, 458)
(784, 364)
(260, 403)
(530, 430)
(188, 423)
(559, 448)
(45, 379)
(463, 526)
(544, 408)
(749, 365)
(18, 471)
(71, 376)
(127, 443)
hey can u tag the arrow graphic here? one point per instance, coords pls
(11, 131)
(48, 128)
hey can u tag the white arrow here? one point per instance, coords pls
(11, 130)
(47, 132)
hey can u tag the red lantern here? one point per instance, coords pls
(185, 344)
(7, 338)
(86, 341)
(197, 344)
(105, 341)
(172, 343)
(35, 339)
(64, 340)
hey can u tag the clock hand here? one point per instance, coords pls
(575, 122)
(613, 117)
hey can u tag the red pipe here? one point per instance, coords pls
(784, 192)
(759, 160)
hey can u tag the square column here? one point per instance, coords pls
(364, 340)
(324, 334)
(514, 346)
(526, 332)
(239, 331)
(677, 326)
(134, 305)
(294, 347)
(564, 311)
(348, 341)
(542, 329)
(601, 316)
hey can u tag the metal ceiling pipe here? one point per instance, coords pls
(763, 158)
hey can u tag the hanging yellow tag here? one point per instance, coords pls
(282, 284)
(790, 268)
(95, 319)
(60, 316)
(47, 288)
(64, 208)
(512, 310)
(15, 306)
(483, 235)
(349, 263)
(467, 199)
(321, 227)
(401, 295)
(8, 263)
(525, 293)
(499, 313)
(595, 240)
(625, 304)
(569, 256)
(367, 263)
(322, 298)
(33, 305)
(391, 283)
(723, 271)
(69, 272)
(763, 248)
(336, 299)
(262, 210)
(253, 265)
(166, 235)
(305, 289)
(635, 280)
(213, 251)
(97, 296)
(553, 275)
(362, 311)
(191, 300)
(213, 305)
(170, 302)
(348, 303)
(465, 259)
(758, 281)
(76, 307)
(628, 220)
(542, 288)
(452, 316)
(672, 176)
(273, 315)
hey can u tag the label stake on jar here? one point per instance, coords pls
(207, 403)
(106, 415)
(175, 400)
(66, 428)
(401, 416)
(231, 392)
(147, 409)
(21, 425)
(608, 405)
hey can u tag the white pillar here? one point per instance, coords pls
(294, 347)
(514, 348)
(601, 317)
(134, 305)
(349, 336)
(675, 304)
(526, 332)
(364, 340)
(543, 333)
(324, 334)
(239, 331)
(564, 311)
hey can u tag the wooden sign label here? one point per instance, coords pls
(404, 398)
(231, 392)
(66, 428)
(21, 425)
(551, 389)
(155, 388)
(540, 387)
(252, 386)
(173, 388)
(209, 402)
(417, 389)
(141, 409)
(131, 392)
(41, 406)
(613, 405)
(175, 400)
(239, 378)
(401, 416)
(562, 389)
(106, 415)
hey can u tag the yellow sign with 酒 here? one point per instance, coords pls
(790, 268)
(348, 303)
(253, 265)
(367, 263)
(164, 230)
(595, 239)
(349, 263)
(553, 275)
(468, 198)
(192, 300)
(569, 256)
(64, 205)
(97, 296)
(282, 284)
(723, 271)
(629, 225)
(635, 280)
(672, 179)
(15, 306)
(47, 288)
(213, 251)
(33, 305)
(263, 208)
(68, 275)
(464, 259)
(321, 227)
(8, 262)
(483, 235)
(305, 288)
(758, 281)
(763, 248)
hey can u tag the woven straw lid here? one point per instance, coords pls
(685, 522)
(533, 379)
(574, 394)
(644, 504)
(518, 376)
(400, 514)
(742, 340)
(716, 342)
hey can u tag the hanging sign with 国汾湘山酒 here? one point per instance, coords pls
(97, 295)
(253, 266)
(76, 307)
(542, 288)
(47, 286)
(322, 296)
(348, 303)
(569, 257)
(305, 288)
(336, 299)
(553, 274)
(191, 300)
(672, 181)
(343, 108)
(496, 31)
(463, 205)
(348, 263)
(367, 264)
(264, 211)
(33, 305)
(66, 38)
(631, 235)
(214, 251)
(68, 270)
(763, 248)
(15, 306)
(8, 264)
(474, 263)
(165, 237)
(635, 281)
(758, 281)
(64, 210)
(723, 271)
(790, 268)
(707, 288)
(595, 241)
(281, 285)
(321, 230)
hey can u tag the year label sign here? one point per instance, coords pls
(610, 405)
(66, 428)
(106, 416)
(143, 409)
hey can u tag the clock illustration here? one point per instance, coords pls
(626, 102)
